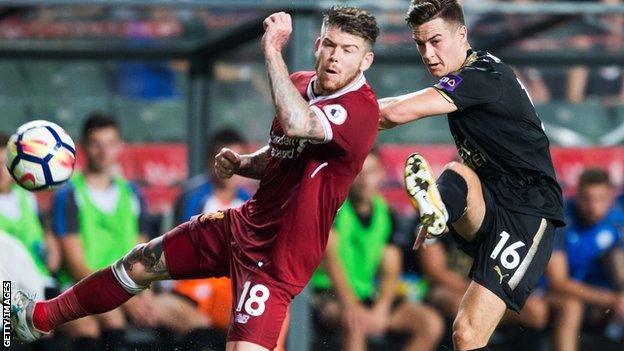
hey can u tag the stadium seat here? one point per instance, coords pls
(589, 119)
(432, 130)
(155, 121)
(12, 82)
(13, 114)
(86, 78)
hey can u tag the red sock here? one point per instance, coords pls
(98, 293)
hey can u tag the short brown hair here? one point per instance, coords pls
(4, 139)
(354, 21)
(98, 120)
(423, 11)
(594, 176)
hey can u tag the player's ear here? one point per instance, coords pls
(317, 42)
(367, 61)
(462, 32)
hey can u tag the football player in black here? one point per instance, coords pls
(502, 202)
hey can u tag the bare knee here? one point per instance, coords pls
(464, 332)
(464, 171)
(144, 264)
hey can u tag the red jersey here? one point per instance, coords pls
(306, 182)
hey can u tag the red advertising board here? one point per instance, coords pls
(160, 169)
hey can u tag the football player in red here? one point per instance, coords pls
(325, 124)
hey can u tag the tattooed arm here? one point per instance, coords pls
(228, 163)
(253, 165)
(295, 116)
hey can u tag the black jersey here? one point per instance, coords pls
(499, 136)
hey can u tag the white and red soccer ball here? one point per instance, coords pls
(40, 155)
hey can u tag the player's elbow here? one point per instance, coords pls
(292, 132)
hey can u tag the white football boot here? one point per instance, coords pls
(423, 193)
(22, 307)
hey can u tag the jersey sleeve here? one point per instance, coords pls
(345, 119)
(471, 86)
(65, 212)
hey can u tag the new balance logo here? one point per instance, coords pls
(500, 274)
(241, 318)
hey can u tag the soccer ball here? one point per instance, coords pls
(40, 155)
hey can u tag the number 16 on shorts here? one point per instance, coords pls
(253, 299)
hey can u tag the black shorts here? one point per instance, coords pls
(510, 252)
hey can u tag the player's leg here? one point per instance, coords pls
(109, 288)
(567, 319)
(479, 314)
(259, 307)
(424, 324)
(534, 314)
(104, 290)
(506, 267)
(445, 299)
(455, 198)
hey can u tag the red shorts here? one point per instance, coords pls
(204, 247)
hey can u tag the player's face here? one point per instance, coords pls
(366, 184)
(442, 46)
(340, 57)
(594, 201)
(102, 149)
(5, 177)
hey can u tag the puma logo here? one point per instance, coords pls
(214, 216)
(500, 273)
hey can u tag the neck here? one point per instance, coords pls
(98, 180)
(361, 205)
(225, 196)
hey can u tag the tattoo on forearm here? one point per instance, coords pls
(255, 164)
(292, 110)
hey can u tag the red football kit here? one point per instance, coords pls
(271, 245)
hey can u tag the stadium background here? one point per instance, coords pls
(173, 71)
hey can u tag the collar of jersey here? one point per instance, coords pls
(355, 85)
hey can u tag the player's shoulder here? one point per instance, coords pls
(483, 64)
(302, 76)
(360, 96)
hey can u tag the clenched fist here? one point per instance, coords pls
(227, 162)
(277, 29)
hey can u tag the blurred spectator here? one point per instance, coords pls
(577, 275)
(18, 266)
(99, 216)
(19, 217)
(360, 247)
(604, 82)
(207, 193)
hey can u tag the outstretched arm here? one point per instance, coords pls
(228, 163)
(295, 116)
(410, 107)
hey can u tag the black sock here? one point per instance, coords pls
(484, 348)
(114, 339)
(454, 192)
(88, 344)
(205, 339)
